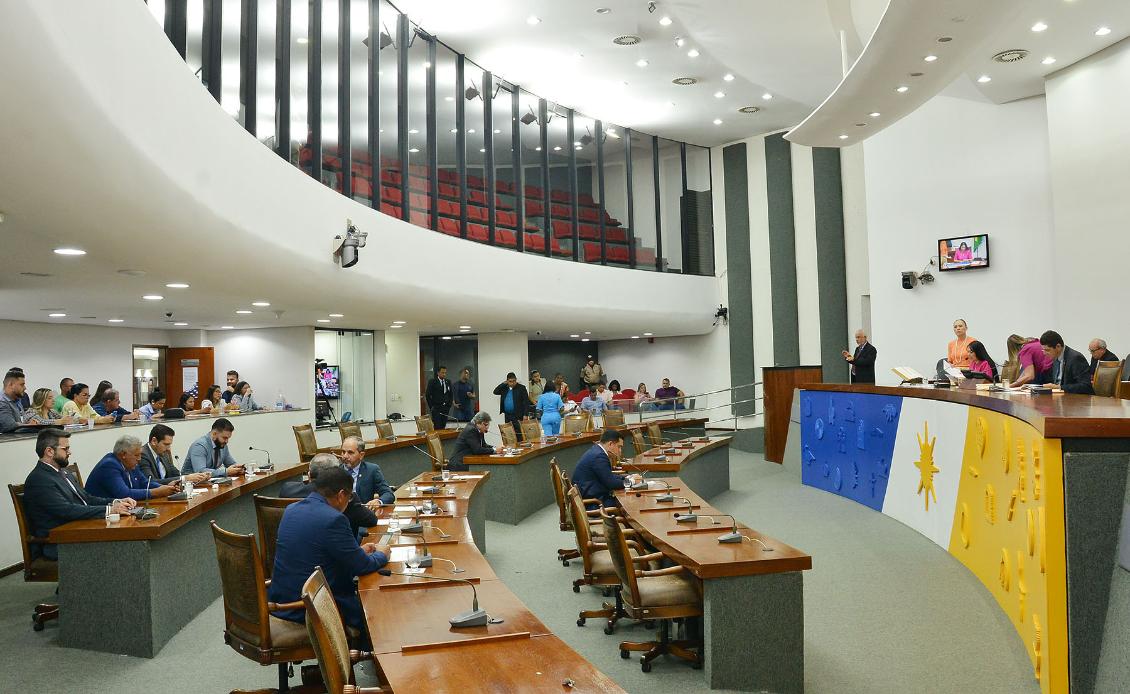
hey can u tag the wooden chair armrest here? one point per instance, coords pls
(635, 545)
(669, 571)
(592, 512)
(358, 656)
(354, 689)
(279, 606)
(595, 546)
(39, 540)
(654, 556)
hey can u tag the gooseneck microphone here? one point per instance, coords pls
(471, 618)
(735, 535)
(690, 516)
(666, 497)
(263, 450)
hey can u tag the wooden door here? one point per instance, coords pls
(188, 366)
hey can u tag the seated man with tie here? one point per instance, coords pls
(53, 497)
(314, 533)
(157, 458)
(1069, 370)
(368, 480)
(359, 515)
(472, 441)
(117, 476)
(210, 453)
(593, 474)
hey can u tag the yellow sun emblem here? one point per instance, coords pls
(925, 465)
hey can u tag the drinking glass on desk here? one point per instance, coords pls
(393, 524)
(253, 467)
(413, 559)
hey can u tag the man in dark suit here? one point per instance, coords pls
(116, 475)
(368, 480)
(1099, 352)
(862, 360)
(157, 458)
(593, 474)
(1069, 368)
(358, 514)
(439, 397)
(472, 441)
(314, 533)
(513, 401)
(53, 496)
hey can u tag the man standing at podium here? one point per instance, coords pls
(862, 360)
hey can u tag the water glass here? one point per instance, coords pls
(446, 474)
(413, 560)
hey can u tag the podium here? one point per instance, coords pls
(779, 382)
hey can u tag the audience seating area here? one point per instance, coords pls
(617, 237)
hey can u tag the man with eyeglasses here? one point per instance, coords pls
(1099, 352)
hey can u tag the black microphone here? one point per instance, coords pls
(441, 463)
(666, 497)
(146, 512)
(471, 618)
(690, 516)
(263, 450)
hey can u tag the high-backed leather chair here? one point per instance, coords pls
(435, 450)
(576, 423)
(531, 430)
(561, 485)
(424, 423)
(347, 429)
(638, 442)
(268, 515)
(249, 627)
(307, 444)
(329, 640)
(598, 569)
(1108, 376)
(663, 594)
(655, 434)
(1009, 371)
(509, 436)
(384, 429)
(613, 418)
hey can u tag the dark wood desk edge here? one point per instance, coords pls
(564, 442)
(688, 454)
(1017, 406)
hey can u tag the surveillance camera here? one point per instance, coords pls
(909, 279)
(537, 332)
(168, 314)
(345, 248)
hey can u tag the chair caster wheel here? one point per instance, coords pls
(564, 562)
(646, 667)
(581, 622)
(624, 653)
(36, 625)
(608, 630)
(576, 589)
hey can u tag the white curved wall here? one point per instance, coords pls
(107, 113)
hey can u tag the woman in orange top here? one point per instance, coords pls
(958, 352)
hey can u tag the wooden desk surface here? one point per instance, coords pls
(465, 555)
(545, 662)
(173, 514)
(1059, 416)
(685, 451)
(460, 486)
(696, 546)
(378, 446)
(536, 448)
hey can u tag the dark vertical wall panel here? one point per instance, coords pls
(782, 251)
(831, 266)
(739, 273)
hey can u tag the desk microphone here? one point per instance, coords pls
(473, 617)
(263, 450)
(735, 535)
(415, 527)
(146, 512)
(435, 461)
(666, 497)
(690, 516)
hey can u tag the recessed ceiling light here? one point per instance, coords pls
(903, 89)
(556, 148)
(337, 315)
(303, 40)
(1039, 26)
(603, 10)
(767, 96)
(464, 330)
(56, 315)
(717, 121)
(152, 297)
(588, 332)
(665, 21)
(1048, 60)
(497, 131)
(728, 77)
(635, 337)
(449, 98)
(413, 132)
(323, 320)
(180, 325)
(261, 304)
(464, 327)
(227, 327)
(538, 148)
(574, 336)
(874, 114)
(446, 337)
(533, 20)
(244, 312)
(641, 63)
(395, 327)
(414, 150)
(471, 131)
(399, 322)
(177, 285)
(843, 137)
(1102, 31)
(69, 251)
(455, 130)
(578, 147)
(692, 53)
(930, 58)
(984, 78)
(482, 149)
(719, 94)
(120, 320)
(647, 334)
(584, 339)
(680, 42)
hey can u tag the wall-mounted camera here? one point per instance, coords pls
(346, 248)
(911, 279)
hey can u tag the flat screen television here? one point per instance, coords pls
(330, 379)
(963, 253)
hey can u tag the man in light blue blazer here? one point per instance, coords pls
(210, 453)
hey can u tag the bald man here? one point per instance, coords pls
(862, 360)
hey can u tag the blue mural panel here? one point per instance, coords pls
(847, 441)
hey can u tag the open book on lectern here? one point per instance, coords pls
(908, 374)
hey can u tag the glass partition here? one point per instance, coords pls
(265, 71)
(474, 103)
(502, 120)
(360, 161)
(348, 379)
(328, 125)
(300, 46)
(588, 202)
(418, 188)
(670, 193)
(392, 198)
(533, 171)
(447, 140)
(698, 213)
(615, 209)
(643, 200)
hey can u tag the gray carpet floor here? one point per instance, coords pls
(885, 611)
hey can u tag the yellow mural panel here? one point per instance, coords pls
(1017, 554)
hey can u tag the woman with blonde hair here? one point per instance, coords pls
(41, 410)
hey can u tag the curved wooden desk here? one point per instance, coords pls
(673, 429)
(752, 594)
(415, 647)
(702, 463)
(1026, 491)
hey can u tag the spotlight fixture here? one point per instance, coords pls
(641, 62)
(471, 92)
(729, 77)
(1039, 26)
(903, 89)
(692, 53)
(1102, 31)
(665, 21)
(984, 78)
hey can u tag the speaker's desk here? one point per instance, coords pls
(415, 647)
(753, 598)
(702, 463)
(150, 578)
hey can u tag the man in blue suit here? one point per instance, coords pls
(116, 476)
(314, 532)
(593, 474)
(368, 481)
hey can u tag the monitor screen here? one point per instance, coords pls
(329, 377)
(963, 253)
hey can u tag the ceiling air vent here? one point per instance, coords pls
(749, 109)
(685, 81)
(626, 40)
(1011, 56)
(36, 274)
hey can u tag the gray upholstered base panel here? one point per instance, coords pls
(707, 475)
(516, 491)
(477, 515)
(749, 440)
(400, 465)
(753, 628)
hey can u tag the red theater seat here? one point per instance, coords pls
(478, 232)
(449, 226)
(390, 210)
(390, 194)
(534, 208)
(502, 237)
(561, 211)
(506, 219)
